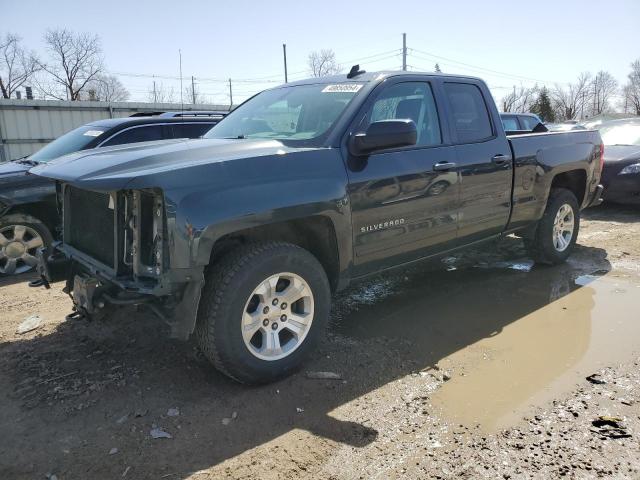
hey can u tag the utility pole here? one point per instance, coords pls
(181, 92)
(404, 52)
(155, 95)
(284, 53)
(230, 96)
(193, 91)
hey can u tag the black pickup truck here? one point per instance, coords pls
(240, 238)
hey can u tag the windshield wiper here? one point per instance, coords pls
(26, 161)
(237, 137)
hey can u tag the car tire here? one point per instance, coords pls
(246, 328)
(556, 232)
(21, 236)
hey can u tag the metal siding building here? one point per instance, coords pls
(28, 125)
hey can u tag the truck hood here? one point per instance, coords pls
(150, 164)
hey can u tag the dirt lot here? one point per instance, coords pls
(470, 367)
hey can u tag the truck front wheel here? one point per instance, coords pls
(557, 230)
(263, 309)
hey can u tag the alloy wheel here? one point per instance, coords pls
(18, 247)
(563, 228)
(277, 316)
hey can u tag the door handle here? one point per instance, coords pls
(500, 159)
(442, 166)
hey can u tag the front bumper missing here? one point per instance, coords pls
(93, 295)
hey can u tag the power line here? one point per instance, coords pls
(476, 67)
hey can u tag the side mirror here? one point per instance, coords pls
(384, 134)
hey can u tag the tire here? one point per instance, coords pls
(237, 297)
(545, 246)
(20, 236)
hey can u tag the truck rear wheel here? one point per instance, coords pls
(557, 230)
(263, 309)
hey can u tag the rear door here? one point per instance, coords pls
(402, 208)
(483, 159)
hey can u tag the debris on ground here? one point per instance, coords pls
(29, 324)
(113, 451)
(324, 376)
(299, 409)
(596, 379)
(609, 427)
(173, 412)
(159, 433)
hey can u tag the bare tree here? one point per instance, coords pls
(323, 63)
(631, 90)
(107, 88)
(603, 87)
(520, 100)
(158, 93)
(75, 60)
(16, 65)
(570, 102)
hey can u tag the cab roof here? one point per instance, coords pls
(370, 77)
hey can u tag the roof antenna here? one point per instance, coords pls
(355, 71)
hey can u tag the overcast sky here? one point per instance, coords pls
(505, 42)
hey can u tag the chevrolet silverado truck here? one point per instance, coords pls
(240, 238)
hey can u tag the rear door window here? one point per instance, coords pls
(471, 121)
(145, 133)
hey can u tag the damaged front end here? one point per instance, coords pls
(116, 247)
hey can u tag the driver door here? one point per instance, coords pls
(403, 204)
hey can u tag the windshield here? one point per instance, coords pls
(302, 114)
(70, 142)
(625, 134)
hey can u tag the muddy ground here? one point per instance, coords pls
(470, 367)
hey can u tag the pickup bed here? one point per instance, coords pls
(240, 238)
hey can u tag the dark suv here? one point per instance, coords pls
(28, 215)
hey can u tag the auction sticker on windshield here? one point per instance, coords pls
(342, 88)
(93, 133)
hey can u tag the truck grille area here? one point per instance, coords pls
(89, 222)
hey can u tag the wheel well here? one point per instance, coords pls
(42, 211)
(574, 180)
(315, 234)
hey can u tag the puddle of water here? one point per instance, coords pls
(543, 354)
(509, 338)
